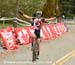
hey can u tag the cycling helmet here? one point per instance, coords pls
(38, 13)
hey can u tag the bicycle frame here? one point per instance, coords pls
(35, 50)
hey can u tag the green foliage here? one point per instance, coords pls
(31, 6)
(67, 7)
(51, 8)
(8, 7)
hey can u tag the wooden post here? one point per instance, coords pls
(16, 13)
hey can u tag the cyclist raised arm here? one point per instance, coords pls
(24, 15)
(48, 19)
(38, 14)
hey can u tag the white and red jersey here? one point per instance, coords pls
(37, 22)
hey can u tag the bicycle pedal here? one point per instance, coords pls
(33, 60)
(31, 49)
(37, 58)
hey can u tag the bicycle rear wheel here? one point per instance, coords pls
(35, 51)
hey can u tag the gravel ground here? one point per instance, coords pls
(50, 51)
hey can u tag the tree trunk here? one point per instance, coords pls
(16, 13)
(51, 8)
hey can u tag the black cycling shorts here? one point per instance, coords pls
(37, 33)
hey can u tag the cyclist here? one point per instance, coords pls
(37, 21)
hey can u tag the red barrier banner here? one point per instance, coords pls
(44, 33)
(49, 31)
(11, 35)
(9, 39)
(58, 27)
(53, 30)
(22, 35)
(30, 30)
(63, 27)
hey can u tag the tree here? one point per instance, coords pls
(51, 8)
(17, 8)
(73, 7)
(68, 6)
(8, 7)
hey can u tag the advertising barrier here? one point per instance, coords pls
(8, 39)
(11, 35)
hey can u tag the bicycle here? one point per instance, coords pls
(35, 50)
